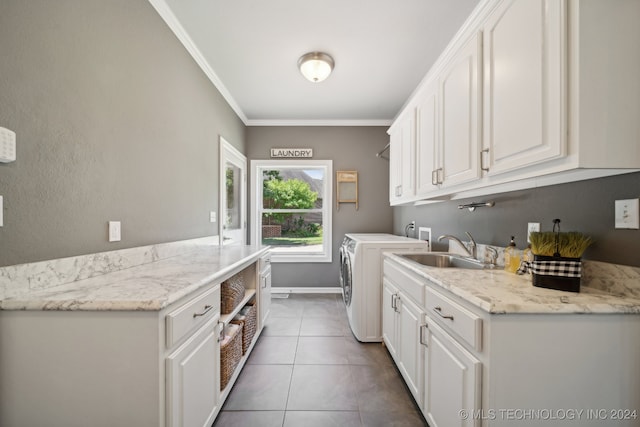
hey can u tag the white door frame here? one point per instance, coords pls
(230, 154)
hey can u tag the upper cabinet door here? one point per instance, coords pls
(460, 115)
(427, 140)
(524, 84)
(402, 160)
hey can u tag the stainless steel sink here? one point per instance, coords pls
(444, 260)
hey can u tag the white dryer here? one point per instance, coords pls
(361, 278)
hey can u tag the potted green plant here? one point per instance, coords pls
(557, 258)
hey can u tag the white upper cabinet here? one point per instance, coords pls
(604, 83)
(427, 138)
(528, 93)
(524, 49)
(459, 118)
(447, 124)
(402, 159)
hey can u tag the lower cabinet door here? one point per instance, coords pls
(265, 294)
(192, 379)
(452, 381)
(410, 351)
(389, 317)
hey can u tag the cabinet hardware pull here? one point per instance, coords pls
(264, 282)
(482, 157)
(440, 175)
(207, 308)
(422, 329)
(439, 311)
(434, 177)
(393, 301)
(221, 334)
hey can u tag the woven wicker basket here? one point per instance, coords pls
(248, 318)
(231, 294)
(230, 354)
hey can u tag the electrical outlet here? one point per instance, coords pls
(212, 216)
(424, 233)
(531, 227)
(114, 231)
(627, 214)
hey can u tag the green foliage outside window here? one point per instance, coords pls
(289, 194)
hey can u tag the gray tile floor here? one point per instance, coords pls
(308, 370)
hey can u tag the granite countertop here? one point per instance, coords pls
(500, 292)
(148, 287)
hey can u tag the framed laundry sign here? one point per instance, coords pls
(295, 153)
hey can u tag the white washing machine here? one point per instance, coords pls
(361, 278)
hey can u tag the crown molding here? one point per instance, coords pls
(318, 122)
(170, 19)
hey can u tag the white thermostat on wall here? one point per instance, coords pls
(7, 145)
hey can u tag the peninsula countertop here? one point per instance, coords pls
(147, 287)
(499, 292)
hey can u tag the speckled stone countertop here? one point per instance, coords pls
(151, 286)
(499, 292)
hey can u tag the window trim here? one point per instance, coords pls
(257, 166)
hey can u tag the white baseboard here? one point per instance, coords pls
(314, 290)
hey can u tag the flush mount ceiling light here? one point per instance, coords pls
(315, 66)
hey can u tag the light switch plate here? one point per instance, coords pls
(7, 145)
(628, 214)
(212, 216)
(114, 231)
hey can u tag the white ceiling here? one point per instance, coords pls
(250, 48)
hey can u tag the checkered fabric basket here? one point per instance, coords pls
(560, 273)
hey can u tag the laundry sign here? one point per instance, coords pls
(292, 152)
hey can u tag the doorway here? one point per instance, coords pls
(233, 195)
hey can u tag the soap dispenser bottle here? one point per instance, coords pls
(511, 257)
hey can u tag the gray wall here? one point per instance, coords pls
(585, 206)
(350, 148)
(114, 121)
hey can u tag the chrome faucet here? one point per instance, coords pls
(491, 254)
(473, 253)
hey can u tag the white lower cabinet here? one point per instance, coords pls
(467, 367)
(193, 378)
(443, 376)
(401, 320)
(265, 288)
(142, 368)
(411, 352)
(452, 380)
(389, 317)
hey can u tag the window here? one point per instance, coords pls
(292, 208)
